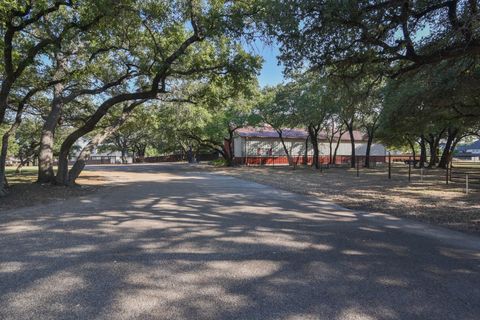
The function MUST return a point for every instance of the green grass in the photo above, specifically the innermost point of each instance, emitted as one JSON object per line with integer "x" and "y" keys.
{"x": 26, "y": 175}
{"x": 472, "y": 165}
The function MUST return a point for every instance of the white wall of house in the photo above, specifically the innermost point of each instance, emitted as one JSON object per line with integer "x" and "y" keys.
{"x": 474, "y": 151}
{"x": 262, "y": 147}
{"x": 238, "y": 144}
{"x": 375, "y": 149}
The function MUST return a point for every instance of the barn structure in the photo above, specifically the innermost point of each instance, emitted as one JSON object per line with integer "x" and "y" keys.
{"x": 263, "y": 146}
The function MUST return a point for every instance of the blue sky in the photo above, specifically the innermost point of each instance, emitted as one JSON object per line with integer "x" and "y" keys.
{"x": 271, "y": 73}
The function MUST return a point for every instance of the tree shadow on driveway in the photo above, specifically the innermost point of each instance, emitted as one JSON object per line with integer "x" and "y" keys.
{"x": 201, "y": 246}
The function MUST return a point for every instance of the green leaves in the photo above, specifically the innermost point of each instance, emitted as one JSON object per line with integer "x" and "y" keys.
{"x": 398, "y": 35}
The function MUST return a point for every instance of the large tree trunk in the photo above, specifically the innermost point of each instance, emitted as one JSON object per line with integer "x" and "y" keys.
{"x": 3, "y": 162}
{"x": 285, "y": 149}
{"x": 412, "y": 146}
{"x": 367, "y": 152}
{"x": 124, "y": 156}
{"x": 433, "y": 143}
{"x": 371, "y": 128}
{"x": 72, "y": 175}
{"x": 45, "y": 156}
{"x": 334, "y": 161}
{"x": 62, "y": 171}
{"x": 313, "y": 133}
{"x": 7, "y": 84}
{"x": 432, "y": 151}
{"x": 227, "y": 156}
{"x": 305, "y": 153}
{"x": 141, "y": 149}
{"x": 452, "y": 133}
{"x": 423, "y": 151}
{"x": 79, "y": 164}
{"x": 62, "y": 177}
{"x": 330, "y": 151}
{"x": 228, "y": 147}
{"x": 5, "y": 140}
{"x": 352, "y": 143}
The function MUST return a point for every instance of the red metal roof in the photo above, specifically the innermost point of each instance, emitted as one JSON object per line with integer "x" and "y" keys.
{"x": 294, "y": 133}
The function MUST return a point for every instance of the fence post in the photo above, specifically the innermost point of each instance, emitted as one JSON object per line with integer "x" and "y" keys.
{"x": 446, "y": 174}
{"x": 451, "y": 167}
{"x": 389, "y": 165}
{"x": 246, "y": 152}
{"x": 410, "y": 169}
{"x": 466, "y": 183}
{"x": 358, "y": 168}
{"x": 421, "y": 174}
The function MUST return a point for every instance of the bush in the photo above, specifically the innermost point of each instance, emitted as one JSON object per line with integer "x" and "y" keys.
{"x": 220, "y": 162}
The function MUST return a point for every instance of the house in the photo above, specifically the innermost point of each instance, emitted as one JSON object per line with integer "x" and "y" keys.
{"x": 468, "y": 152}
{"x": 97, "y": 156}
{"x": 262, "y": 145}
{"x": 472, "y": 148}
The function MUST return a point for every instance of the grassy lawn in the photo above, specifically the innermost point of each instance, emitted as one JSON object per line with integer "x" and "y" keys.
{"x": 24, "y": 192}
{"x": 26, "y": 175}
{"x": 426, "y": 198}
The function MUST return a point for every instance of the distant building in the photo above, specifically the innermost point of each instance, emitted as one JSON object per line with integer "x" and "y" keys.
{"x": 468, "y": 152}
{"x": 97, "y": 157}
{"x": 470, "y": 149}
{"x": 263, "y": 146}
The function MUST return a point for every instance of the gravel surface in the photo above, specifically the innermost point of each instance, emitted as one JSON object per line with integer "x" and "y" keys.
{"x": 430, "y": 200}
{"x": 168, "y": 242}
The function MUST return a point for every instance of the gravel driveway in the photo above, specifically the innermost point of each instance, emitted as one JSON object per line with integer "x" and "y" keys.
{"x": 167, "y": 242}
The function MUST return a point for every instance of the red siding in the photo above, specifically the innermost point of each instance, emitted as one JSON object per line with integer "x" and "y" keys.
{"x": 283, "y": 160}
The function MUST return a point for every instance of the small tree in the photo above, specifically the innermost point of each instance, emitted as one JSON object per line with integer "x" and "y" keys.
{"x": 313, "y": 105}
{"x": 276, "y": 108}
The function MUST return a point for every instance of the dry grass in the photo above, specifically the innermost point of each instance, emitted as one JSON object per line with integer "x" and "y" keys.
{"x": 430, "y": 200}
{"x": 24, "y": 192}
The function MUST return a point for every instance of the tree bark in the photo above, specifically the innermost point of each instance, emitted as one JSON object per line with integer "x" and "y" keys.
{"x": 124, "y": 156}
{"x": 230, "y": 151}
{"x": 89, "y": 126}
{"x": 412, "y": 146}
{"x": 305, "y": 154}
{"x": 141, "y": 149}
{"x": 367, "y": 152}
{"x": 452, "y": 133}
{"x": 330, "y": 152}
{"x": 423, "y": 151}
{"x": 313, "y": 133}
{"x": 71, "y": 176}
{"x": 3, "y": 161}
{"x": 4, "y": 93}
{"x": 47, "y": 137}
{"x": 349, "y": 126}
{"x": 5, "y": 140}
{"x": 334, "y": 161}
{"x": 433, "y": 143}
{"x": 285, "y": 149}
{"x": 62, "y": 177}
{"x": 432, "y": 151}
{"x": 370, "y": 128}
{"x": 227, "y": 155}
